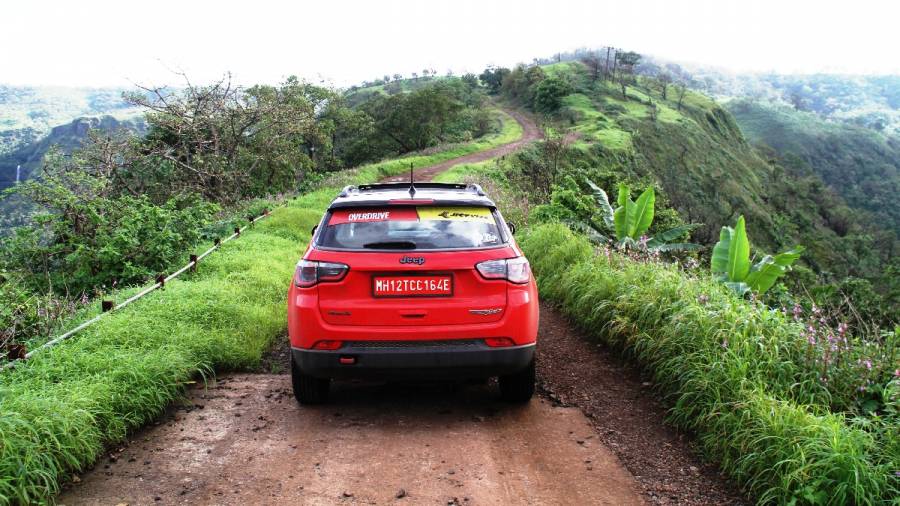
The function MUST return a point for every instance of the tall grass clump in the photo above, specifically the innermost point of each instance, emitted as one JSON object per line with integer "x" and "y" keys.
{"x": 735, "y": 372}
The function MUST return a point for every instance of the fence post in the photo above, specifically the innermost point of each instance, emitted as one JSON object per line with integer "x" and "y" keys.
{"x": 161, "y": 279}
{"x": 193, "y": 262}
{"x": 107, "y": 306}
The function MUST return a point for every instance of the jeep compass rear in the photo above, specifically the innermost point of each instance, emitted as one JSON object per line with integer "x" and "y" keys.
{"x": 412, "y": 282}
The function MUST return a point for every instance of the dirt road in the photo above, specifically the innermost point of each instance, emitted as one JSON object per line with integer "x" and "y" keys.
{"x": 530, "y": 132}
{"x": 373, "y": 444}
{"x": 244, "y": 439}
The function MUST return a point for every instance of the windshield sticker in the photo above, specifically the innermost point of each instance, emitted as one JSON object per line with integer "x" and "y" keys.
{"x": 342, "y": 216}
{"x": 481, "y": 214}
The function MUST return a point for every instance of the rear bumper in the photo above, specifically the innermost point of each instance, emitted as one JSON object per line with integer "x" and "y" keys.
{"x": 395, "y": 361}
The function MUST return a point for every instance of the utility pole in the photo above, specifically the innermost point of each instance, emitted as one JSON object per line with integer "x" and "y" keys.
{"x": 607, "y": 62}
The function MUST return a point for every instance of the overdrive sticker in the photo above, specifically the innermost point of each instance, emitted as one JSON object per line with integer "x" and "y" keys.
{"x": 341, "y": 216}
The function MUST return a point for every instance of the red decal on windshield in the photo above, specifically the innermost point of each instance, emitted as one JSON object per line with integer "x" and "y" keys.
{"x": 341, "y": 216}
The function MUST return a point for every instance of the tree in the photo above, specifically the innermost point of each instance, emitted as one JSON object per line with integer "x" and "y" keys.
{"x": 625, "y": 63}
{"x": 731, "y": 262}
{"x": 386, "y": 78}
{"x": 493, "y": 77}
{"x": 470, "y": 79}
{"x": 415, "y": 76}
{"x": 226, "y": 142}
{"x": 398, "y": 77}
{"x": 549, "y": 93}
{"x": 419, "y": 119}
{"x": 682, "y": 90}
{"x": 652, "y": 111}
{"x": 664, "y": 79}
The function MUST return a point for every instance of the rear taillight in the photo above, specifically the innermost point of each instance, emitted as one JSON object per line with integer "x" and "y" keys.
{"x": 515, "y": 270}
{"x": 327, "y": 345}
{"x": 310, "y": 272}
{"x": 498, "y": 342}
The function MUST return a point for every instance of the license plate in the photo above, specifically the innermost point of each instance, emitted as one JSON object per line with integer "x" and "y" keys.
{"x": 412, "y": 286}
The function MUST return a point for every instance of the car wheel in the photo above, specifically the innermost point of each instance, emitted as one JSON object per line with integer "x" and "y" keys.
{"x": 308, "y": 389}
{"x": 518, "y": 387}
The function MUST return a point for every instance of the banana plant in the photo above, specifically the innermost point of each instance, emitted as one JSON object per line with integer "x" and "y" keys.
{"x": 731, "y": 262}
{"x": 631, "y": 220}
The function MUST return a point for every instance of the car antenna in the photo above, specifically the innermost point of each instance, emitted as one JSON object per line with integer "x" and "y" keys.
{"x": 412, "y": 184}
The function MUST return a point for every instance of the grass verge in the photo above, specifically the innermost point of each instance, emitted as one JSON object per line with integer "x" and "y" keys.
{"x": 731, "y": 370}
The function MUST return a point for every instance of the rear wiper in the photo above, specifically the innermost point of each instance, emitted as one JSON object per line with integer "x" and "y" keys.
{"x": 390, "y": 245}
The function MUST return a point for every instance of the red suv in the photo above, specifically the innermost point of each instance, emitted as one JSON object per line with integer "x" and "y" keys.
{"x": 403, "y": 281}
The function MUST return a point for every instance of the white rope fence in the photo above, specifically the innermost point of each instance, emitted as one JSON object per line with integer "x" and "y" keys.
{"x": 108, "y": 307}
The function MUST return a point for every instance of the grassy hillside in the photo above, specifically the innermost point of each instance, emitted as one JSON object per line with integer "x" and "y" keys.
{"x": 697, "y": 157}
{"x": 860, "y": 164}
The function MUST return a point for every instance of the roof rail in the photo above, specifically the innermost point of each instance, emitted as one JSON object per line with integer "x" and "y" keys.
{"x": 472, "y": 188}
{"x": 347, "y": 190}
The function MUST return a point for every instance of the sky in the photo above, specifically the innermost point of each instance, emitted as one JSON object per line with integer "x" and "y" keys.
{"x": 119, "y": 43}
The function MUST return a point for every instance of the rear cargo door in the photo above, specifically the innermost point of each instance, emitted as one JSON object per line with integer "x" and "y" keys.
{"x": 412, "y": 266}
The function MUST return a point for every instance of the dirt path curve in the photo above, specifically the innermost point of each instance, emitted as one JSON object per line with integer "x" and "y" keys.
{"x": 244, "y": 439}
{"x": 530, "y": 132}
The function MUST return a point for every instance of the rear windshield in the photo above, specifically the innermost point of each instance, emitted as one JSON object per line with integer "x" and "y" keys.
{"x": 406, "y": 228}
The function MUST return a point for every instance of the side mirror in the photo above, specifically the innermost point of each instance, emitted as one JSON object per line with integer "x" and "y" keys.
{"x": 512, "y": 227}
{"x": 312, "y": 231}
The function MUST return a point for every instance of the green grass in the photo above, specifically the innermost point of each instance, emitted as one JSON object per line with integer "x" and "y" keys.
{"x": 731, "y": 371}
{"x": 60, "y": 410}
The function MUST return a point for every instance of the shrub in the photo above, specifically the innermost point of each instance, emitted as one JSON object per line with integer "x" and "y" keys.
{"x": 83, "y": 243}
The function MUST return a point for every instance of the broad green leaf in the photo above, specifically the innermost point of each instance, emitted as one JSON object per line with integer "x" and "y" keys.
{"x": 640, "y": 216}
{"x": 619, "y": 222}
{"x": 767, "y": 271}
{"x": 624, "y": 194}
{"x": 719, "y": 264}
{"x": 602, "y": 200}
{"x": 620, "y": 216}
{"x": 739, "y": 253}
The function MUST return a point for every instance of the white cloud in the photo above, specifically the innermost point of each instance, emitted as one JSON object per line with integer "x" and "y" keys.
{"x": 94, "y": 42}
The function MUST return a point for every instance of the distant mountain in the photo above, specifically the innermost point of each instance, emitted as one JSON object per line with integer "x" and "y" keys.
{"x": 859, "y": 164}
{"x": 868, "y": 101}
{"x": 28, "y": 113}
{"x": 13, "y": 210}
{"x": 67, "y": 137}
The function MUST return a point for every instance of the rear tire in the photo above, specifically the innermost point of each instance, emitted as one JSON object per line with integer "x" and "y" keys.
{"x": 518, "y": 387}
{"x": 308, "y": 389}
